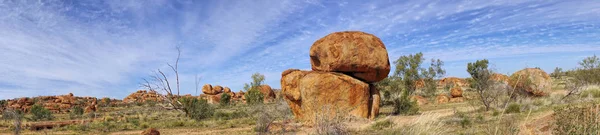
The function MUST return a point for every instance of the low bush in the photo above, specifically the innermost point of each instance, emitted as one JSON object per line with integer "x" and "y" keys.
{"x": 577, "y": 119}
{"x": 403, "y": 105}
{"x": 225, "y": 99}
{"x": 76, "y": 112}
{"x": 40, "y": 113}
{"x": 197, "y": 109}
{"x": 254, "y": 96}
{"x": 513, "y": 108}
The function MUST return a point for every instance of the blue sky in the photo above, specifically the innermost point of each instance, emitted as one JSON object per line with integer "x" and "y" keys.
{"x": 105, "y": 48}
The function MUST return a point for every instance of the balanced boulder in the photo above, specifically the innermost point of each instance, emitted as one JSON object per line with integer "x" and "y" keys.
{"x": 355, "y": 53}
{"x": 267, "y": 92}
{"x": 533, "y": 81}
{"x": 456, "y": 92}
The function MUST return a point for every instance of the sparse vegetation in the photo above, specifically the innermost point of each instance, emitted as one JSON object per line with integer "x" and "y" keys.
{"x": 513, "y": 108}
{"x": 76, "y": 112}
{"x": 253, "y": 95}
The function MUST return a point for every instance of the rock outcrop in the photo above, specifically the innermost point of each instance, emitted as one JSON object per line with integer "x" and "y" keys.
{"x": 355, "y": 53}
{"x": 456, "y": 92}
{"x": 453, "y": 81}
{"x": 142, "y": 96}
{"x": 56, "y": 104}
{"x": 343, "y": 64}
{"x": 267, "y": 92}
{"x": 442, "y": 99}
{"x": 532, "y": 81}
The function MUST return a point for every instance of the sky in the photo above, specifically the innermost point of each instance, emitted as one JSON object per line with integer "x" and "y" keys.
{"x": 105, "y": 48}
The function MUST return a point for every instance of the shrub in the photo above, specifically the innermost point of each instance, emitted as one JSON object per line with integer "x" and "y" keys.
{"x": 76, "y": 111}
{"x": 225, "y": 99}
{"x": 40, "y": 113}
{"x": 403, "y": 105}
{"x": 577, "y": 119}
{"x": 254, "y": 96}
{"x": 513, "y": 108}
{"x": 3, "y": 103}
{"x": 196, "y": 108}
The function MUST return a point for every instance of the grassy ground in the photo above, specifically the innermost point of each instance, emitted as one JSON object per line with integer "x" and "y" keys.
{"x": 526, "y": 116}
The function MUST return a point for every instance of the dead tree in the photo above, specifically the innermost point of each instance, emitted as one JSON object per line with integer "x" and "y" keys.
{"x": 160, "y": 82}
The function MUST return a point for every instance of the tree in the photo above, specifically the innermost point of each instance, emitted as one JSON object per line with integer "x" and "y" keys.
{"x": 590, "y": 62}
{"x": 253, "y": 95}
{"x": 557, "y": 72}
{"x": 481, "y": 82}
{"x": 408, "y": 72}
{"x": 159, "y": 81}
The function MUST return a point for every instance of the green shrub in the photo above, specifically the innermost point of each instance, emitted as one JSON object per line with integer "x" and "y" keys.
{"x": 196, "y": 108}
{"x": 225, "y": 99}
{"x": 3, "y": 103}
{"x": 513, "y": 108}
{"x": 254, "y": 96}
{"x": 76, "y": 112}
{"x": 382, "y": 124}
{"x": 577, "y": 119}
{"x": 403, "y": 105}
{"x": 465, "y": 122}
{"x": 40, "y": 113}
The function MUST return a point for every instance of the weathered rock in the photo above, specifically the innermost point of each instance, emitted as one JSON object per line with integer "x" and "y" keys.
{"x": 214, "y": 99}
{"x": 90, "y": 108}
{"x": 218, "y": 89}
{"x": 442, "y": 99}
{"x": 532, "y": 81}
{"x": 499, "y": 78}
{"x": 142, "y": 96}
{"x": 456, "y": 91}
{"x": 267, "y": 92}
{"x": 457, "y": 99}
{"x": 208, "y": 89}
{"x": 419, "y": 99}
{"x": 453, "y": 81}
{"x": 314, "y": 92}
{"x": 374, "y": 101}
{"x": 355, "y": 53}
{"x": 150, "y": 131}
{"x": 226, "y": 90}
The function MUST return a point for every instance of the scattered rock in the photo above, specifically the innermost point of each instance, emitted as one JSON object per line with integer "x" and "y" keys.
{"x": 442, "y": 99}
{"x": 355, "y": 53}
{"x": 150, "y": 131}
{"x": 208, "y": 89}
{"x": 456, "y": 92}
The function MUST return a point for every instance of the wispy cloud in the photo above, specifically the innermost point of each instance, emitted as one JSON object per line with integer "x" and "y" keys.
{"x": 103, "y": 48}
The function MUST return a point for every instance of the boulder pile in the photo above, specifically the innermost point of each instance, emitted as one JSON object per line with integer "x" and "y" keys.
{"x": 531, "y": 81}
{"x": 56, "y": 104}
{"x": 142, "y": 96}
{"x": 344, "y": 66}
{"x": 212, "y": 94}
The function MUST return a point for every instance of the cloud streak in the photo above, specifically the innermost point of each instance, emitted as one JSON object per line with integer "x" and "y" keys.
{"x": 104, "y": 48}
